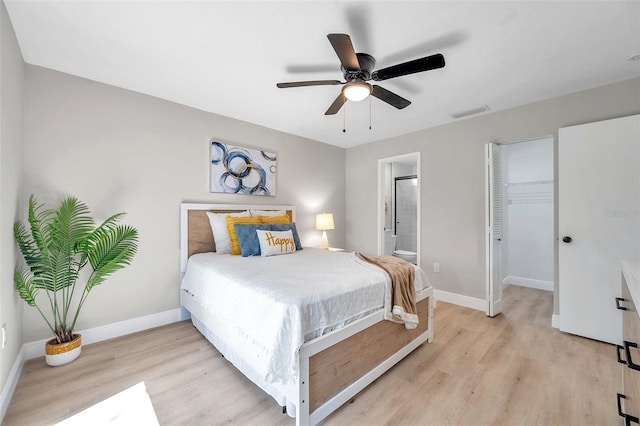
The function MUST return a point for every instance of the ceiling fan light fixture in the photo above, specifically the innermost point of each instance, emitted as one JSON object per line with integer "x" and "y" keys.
{"x": 356, "y": 90}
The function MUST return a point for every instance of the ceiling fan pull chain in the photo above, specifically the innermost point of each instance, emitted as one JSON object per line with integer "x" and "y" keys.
{"x": 369, "y": 112}
{"x": 344, "y": 119}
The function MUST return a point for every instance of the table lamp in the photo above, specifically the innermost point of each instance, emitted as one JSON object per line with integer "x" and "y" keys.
{"x": 324, "y": 223}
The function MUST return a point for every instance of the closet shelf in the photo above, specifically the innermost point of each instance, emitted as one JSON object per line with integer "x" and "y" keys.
{"x": 530, "y": 192}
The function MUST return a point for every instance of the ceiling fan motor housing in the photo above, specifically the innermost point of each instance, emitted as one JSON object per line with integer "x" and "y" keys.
{"x": 367, "y": 64}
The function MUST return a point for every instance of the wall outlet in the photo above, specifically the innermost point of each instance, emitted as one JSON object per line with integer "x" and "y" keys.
{"x": 436, "y": 267}
{"x": 4, "y": 335}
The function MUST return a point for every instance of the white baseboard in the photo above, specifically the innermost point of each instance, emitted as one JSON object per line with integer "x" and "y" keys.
{"x": 555, "y": 321}
{"x": 32, "y": 350}
{"x": 459, "y": 299}
{"x": 109, "y": 331}
{"x": 527, "y": 282}
{"x": 11, "y": 383}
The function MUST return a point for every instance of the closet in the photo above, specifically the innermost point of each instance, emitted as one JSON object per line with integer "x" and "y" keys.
{"x": 519, "y": 203}
{"x": 527, "y": 214}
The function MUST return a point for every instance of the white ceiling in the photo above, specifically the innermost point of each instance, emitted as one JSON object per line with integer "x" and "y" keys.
{"x": 226, "y": 57}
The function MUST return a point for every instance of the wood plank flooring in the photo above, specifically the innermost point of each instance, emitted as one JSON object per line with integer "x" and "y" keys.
{"x": 514, "y": 369}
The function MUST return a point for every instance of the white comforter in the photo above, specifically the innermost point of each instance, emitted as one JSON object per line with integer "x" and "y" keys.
{"x": 272, "y": 305}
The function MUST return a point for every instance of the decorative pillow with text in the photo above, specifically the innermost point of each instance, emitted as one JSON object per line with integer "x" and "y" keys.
{"x": 273, "y": 243}
{"x": 286, "y": 227}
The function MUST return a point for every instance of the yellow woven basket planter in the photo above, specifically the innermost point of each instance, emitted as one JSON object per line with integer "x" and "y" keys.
{"x": 57, "y": 354}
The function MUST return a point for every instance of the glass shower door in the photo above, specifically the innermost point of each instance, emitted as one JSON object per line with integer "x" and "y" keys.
{"x": 406, "y": 200}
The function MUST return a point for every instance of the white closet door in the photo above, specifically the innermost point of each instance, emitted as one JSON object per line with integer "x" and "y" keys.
{"x": 598, "y": 223}
{"x": 493, "y": 214}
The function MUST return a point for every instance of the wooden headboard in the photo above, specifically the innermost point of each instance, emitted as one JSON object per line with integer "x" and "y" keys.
{"x": 195, "y": 230}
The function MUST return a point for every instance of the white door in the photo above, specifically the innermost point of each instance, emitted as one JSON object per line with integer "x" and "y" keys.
{"x": 493, "y": 215}
{"x": 598, "y": 222}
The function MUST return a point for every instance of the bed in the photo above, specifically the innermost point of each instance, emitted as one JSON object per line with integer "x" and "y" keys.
{"x": 319, "y": 365}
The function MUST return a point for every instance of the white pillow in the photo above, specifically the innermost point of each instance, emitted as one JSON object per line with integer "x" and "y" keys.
{"x": 273, "y": 243}
{"x": 267, "y": 212}
{"x": 218, "y": 222}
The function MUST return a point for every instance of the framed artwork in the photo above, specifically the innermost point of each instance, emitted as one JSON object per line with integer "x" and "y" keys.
{"x": 239, "y": 170}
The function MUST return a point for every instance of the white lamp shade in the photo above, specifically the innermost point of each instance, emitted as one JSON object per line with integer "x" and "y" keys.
{"x": 324, "y": 222}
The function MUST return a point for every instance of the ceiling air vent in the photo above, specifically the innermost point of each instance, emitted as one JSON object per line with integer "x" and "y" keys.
{"x": 469, "y": 112}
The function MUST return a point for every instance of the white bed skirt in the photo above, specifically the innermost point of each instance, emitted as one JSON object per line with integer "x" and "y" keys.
{"x": 277, "y": 391}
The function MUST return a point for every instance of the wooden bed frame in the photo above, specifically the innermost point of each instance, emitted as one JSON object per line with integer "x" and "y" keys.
{"x": 332, "y": 368}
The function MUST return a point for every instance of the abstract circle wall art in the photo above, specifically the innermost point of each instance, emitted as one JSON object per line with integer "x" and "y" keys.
{"x": 240, "y": 170}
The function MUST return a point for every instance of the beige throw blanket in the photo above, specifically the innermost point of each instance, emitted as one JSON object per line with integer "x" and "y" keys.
{"x": 403, "y": 292}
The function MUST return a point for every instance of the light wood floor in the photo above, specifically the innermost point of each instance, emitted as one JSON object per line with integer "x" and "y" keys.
{"x": 510, "y": 370}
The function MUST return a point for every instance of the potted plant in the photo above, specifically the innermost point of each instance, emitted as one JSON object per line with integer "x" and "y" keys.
{"x": 56, "y": 246}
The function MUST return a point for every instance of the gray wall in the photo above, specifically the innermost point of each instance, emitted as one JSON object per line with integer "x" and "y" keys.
{"x": 11, "y": 77}
{"x": 452, "y": 173}
{"x": 118, "y": 150}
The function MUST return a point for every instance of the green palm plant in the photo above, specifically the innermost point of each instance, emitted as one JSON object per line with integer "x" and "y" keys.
{"x": 57, "y": 245}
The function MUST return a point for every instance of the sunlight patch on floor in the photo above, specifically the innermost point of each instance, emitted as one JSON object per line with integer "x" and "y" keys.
{"x": 130, "y": 407}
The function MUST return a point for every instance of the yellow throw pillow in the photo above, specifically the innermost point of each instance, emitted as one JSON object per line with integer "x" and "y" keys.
{"x": 233, "y": 237}
{"x": 275, "y": 219}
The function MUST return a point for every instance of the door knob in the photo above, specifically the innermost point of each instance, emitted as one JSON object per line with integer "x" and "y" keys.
{"x": 566, "y": 239}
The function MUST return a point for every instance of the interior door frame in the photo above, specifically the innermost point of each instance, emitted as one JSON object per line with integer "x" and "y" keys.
{"x": 381, "y": 183}
{"x": 554, "y": 140}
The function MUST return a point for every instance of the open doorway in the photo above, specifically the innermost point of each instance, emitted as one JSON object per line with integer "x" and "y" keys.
{"x": 399, "y": 207}
{"x": 521, "y": 244}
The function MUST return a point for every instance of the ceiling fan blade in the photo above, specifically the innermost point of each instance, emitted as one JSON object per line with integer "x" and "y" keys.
{"x": 309, "y": 83}
{"x": 417, "y": 65}
{"x": 390, "y": 97}
{"x": 344, "y": 49}
{"x": 336, "y": 105}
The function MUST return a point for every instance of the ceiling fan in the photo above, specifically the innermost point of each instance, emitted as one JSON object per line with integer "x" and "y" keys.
{"x": 357, "y": 69}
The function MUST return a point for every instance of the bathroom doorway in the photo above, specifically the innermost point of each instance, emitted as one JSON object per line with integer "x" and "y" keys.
{"x": 399, "y": 207}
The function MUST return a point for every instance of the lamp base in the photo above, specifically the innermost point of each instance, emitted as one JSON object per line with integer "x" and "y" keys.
{"x": 324, "y": 243}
